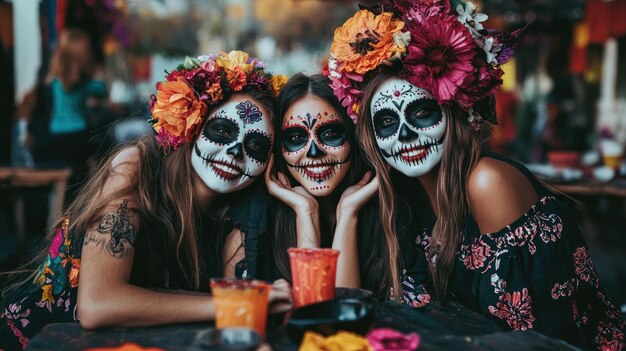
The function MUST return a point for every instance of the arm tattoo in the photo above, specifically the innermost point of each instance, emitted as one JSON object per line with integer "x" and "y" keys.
{"x": 121, "y": 229}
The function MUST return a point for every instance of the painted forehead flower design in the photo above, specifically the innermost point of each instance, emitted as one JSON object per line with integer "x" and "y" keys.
{"x": 180, "y": 105}
{"x": 441, "y": 44}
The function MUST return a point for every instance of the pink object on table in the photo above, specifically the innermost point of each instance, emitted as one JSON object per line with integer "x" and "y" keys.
{"x": 387, "y": 339}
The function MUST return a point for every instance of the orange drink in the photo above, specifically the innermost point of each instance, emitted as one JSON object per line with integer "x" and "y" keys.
{"x": 240, "y": 303}
{"x": 313, "y": 273}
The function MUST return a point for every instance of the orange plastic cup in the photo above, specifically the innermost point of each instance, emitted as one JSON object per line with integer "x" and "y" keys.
{"x": 313, "y": 273}
{"x": 240, "y": 303}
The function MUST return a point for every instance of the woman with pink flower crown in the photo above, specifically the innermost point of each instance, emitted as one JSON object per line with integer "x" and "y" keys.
{"x": 163, "y": 214}
{"x": 420, "y": 76}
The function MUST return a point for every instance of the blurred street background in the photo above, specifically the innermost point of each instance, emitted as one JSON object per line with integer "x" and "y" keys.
{"x": 76, "y": 76}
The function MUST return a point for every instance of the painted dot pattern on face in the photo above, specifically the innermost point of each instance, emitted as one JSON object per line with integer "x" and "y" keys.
{"x": 321, "y": 187}
{"x": 320, "y": 170}
{"x": 398, "y": 93}
{"x": 295, "y": 127}
{"x": 331, "y": 134}
{"x": 221, "y": 130}
{"x": 257, "y": 145}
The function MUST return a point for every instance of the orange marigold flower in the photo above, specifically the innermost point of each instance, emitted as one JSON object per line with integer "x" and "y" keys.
{"x": 236, "y": 78}
{"x": 365, "y": 40}
{"x": 73, "y": 274}
{"x": 215, "y": 92}
{"x": 277, "y": 82}
{"x": 177, "y": 109}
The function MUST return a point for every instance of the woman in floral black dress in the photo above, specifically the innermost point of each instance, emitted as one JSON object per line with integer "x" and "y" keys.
{"x": 495, "y": 238}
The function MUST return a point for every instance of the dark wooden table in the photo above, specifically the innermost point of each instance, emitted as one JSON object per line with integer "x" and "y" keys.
{"x": 450, "y": 327}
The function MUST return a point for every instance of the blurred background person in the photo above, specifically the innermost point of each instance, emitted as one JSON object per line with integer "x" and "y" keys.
{"x": 59, "y": 115}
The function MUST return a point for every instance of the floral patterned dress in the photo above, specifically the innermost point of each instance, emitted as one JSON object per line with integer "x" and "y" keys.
{"x": 535, "y": 273}
{"x": 51, "y": 296}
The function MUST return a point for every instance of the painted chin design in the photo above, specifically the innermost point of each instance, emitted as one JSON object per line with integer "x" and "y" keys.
{"x": 415, "y": 153}
{"x": 225, "y": 170}
{"x": 318, "y": 171}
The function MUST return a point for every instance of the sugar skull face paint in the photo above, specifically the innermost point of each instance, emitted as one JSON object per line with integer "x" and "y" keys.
{"x": 315, "y": 145}
{"x": 409, "y": 127}
{"x": 234, "y": 146}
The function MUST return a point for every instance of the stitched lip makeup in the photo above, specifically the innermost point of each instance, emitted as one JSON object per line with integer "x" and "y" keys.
{"x": 415, "y": 153}
{"x": 225, "y": 170}
{"x": 318, "y": 170}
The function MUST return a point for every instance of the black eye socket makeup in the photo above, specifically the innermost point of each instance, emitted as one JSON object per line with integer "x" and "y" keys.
{"x": 257, "y": 145}
{"x": 332, "y": 134}
{"x": 221, "y": 131}
{"x": 423, "y": 113}
{"x": 386, "y": 122}
{"x": 294, "y": 138}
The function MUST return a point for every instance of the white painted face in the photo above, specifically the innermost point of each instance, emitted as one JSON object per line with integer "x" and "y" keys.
{"x": 234, "y": 146}
{"x": 315, "y": 145}
{"x": 409, "y": 127}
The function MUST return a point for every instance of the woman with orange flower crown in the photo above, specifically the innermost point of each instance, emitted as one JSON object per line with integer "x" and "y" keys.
{"x": 165, "y": 213}
{"x": 421, "y": 76}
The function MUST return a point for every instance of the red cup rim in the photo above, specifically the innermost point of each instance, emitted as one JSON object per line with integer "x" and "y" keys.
{"x": 298, "y": 251}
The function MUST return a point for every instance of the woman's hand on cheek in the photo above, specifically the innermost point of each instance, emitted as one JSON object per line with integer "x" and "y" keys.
{"x": 357, "y": 195}
{"x": 297, "y": 198}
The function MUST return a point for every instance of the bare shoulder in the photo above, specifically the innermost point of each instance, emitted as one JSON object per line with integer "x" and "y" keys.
{"x": 498, "y": 194}
{"x": 124, "y": 167}
{"x": 126, "y": 160}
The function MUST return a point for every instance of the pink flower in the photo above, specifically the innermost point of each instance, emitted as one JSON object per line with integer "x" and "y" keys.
{"x": 418, "y": 10}
{"x": 387, "y": 339}
{"x": 483, "y": 82}
{"x": 56, "y": 244}
{"x": 346, "y": 93}
{"x": 477, "y": 255}
{"x": 208, "y": 66}
{"x": 584, "y": 266}
{"x": 516, "y": 309}
{"x": 167, "y": 140}
{"x": 440, "y": 55}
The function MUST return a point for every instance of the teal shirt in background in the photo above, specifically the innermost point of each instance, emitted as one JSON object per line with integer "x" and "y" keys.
{"x": 68, "y": 107}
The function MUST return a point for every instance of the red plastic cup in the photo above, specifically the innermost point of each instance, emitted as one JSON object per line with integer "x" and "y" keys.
{"x": 313, "y": 273}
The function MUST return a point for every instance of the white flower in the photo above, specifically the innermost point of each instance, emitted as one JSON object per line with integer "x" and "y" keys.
{"x": 332, "y": 68}
{"x": 332, "y": 64}
{"x": 474, "y": 116}
{"x": 471, "y": 18}
{"x": 401, "y": 39}
{"x": 491, "y": 49}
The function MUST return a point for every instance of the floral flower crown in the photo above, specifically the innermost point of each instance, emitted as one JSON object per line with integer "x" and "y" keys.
{"x": 182, "y": 101}
{"x": 443, "y": 49}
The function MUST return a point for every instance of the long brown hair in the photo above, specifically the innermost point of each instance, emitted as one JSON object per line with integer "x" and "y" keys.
{"x": 462, "y": 146}
{"x": 171, "y": 217}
